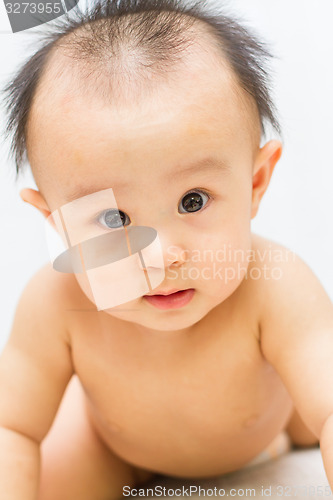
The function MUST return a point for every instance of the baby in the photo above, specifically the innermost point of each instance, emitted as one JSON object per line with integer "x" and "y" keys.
{"x": 143, "y": 122}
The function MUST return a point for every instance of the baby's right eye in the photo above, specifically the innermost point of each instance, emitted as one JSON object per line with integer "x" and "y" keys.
{"x": 113, "y": 219}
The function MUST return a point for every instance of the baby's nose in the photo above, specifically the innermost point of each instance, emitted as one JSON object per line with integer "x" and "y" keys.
{"x": 160, "y": 256}
{"x": 157, "y": 249}
{"x": 174, "y": 255}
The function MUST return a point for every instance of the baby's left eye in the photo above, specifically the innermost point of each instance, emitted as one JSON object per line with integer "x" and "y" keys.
{"x": 193, "y": 201}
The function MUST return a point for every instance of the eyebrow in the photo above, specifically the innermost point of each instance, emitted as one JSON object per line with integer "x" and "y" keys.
{"x": 205, "y": 166}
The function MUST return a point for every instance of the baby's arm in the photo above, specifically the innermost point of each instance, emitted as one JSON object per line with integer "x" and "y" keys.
{"x": 297, "y": 339}
{"x": 35, "y": 368}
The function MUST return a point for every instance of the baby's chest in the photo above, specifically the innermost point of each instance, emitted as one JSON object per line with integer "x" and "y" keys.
{"x": 224, "y": 384}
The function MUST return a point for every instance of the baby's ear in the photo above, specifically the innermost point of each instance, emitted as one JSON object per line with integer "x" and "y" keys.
{"x": 266, "y": 159}
{"x": 35, "y": 199}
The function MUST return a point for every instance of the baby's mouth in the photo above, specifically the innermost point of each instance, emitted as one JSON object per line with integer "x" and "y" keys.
{"x": 173, "y": 299}
{"x": 164, "y": 292}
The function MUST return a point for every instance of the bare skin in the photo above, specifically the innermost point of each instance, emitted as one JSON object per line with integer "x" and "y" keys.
{"x": 193, "y": 392}
{"x": 213, "y": 403}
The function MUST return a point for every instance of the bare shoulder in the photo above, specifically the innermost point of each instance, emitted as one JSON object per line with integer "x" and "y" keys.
{"x": 291, "y": 299}
{"x": 267, "y": 262}
{"x": 51, "y": 295}
{"x": 281, "y": 271}
{"x": 60, "y": 286}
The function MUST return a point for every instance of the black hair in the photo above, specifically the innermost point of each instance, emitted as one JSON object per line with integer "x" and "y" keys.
{"x": 156, "y": 27}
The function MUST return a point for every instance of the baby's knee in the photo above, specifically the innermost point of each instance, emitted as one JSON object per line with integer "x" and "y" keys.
{"x": 84, "y": 477}
{"x": 75, "y": 462}
{"x": 299, "y": 433}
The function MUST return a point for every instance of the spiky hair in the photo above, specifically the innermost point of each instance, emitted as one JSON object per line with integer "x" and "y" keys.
{"x": 154, "y": 29}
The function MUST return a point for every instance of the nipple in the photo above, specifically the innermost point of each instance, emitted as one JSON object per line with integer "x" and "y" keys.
{"x": 251, "y": 421}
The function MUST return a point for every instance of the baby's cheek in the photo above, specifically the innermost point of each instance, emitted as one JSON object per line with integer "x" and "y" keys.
{"x": 224, "y": 265}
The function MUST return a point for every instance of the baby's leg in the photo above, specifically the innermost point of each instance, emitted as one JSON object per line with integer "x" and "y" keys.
{"x": 299, "y": 433}
{"x": 76, "y": 464}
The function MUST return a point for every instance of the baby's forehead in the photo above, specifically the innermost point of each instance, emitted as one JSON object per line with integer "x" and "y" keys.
{"x": 171, "y": 129}
{"x": 83, "y": 111}
{"x": 202, "y": 73}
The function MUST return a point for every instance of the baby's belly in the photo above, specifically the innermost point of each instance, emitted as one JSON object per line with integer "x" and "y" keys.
{"x": 201, "y": 436}
{"x": 193, "y": 406}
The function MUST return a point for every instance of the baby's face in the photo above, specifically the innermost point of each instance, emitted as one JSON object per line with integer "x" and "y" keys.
{"x": 183, "y": 166}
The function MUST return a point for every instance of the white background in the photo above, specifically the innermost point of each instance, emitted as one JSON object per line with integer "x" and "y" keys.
{"x": 297, "y": 208}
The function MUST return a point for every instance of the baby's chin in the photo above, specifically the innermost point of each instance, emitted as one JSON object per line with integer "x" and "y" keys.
{"x": 155, "y": 325}
{"x": 145, "y": 315}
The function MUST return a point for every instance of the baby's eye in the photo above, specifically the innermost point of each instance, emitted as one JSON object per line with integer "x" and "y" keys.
{"x": 193, "y": 201}
{"x": 113, "y": 219}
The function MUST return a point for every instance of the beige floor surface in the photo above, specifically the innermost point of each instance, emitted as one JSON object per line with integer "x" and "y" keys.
{"x": 298, "y": 474}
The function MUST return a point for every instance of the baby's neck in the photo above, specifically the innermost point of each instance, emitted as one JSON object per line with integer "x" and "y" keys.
{"x": 164, "y": 334}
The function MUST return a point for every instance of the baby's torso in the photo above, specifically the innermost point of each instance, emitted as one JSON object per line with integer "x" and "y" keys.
{"x": 195, "y": 406}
